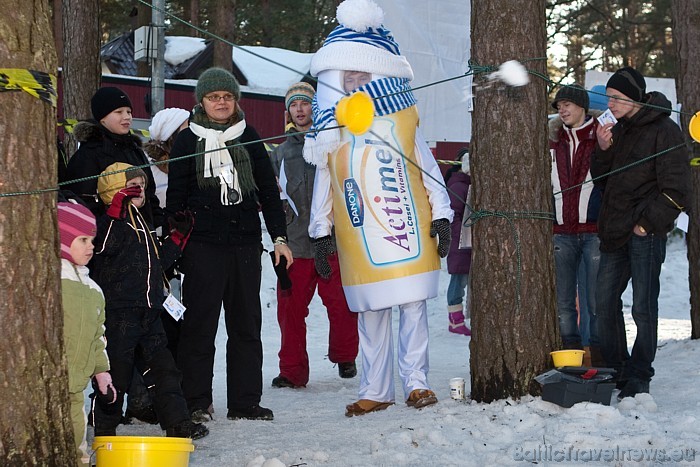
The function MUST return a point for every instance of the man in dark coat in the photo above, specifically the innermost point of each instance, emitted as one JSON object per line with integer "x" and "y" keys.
{"x": 640, "y": 204}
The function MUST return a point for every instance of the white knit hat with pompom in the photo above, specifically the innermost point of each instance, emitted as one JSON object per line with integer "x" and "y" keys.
{"x": 361, "y": 43}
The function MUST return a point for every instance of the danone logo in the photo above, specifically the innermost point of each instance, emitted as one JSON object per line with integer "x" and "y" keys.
{"x": 353, "y": 202}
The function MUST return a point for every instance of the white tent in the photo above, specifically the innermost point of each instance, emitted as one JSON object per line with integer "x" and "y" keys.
{"x": 434, "y": 37}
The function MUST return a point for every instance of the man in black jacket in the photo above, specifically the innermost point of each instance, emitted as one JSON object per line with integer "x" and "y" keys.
{"x": 646, "y": 188}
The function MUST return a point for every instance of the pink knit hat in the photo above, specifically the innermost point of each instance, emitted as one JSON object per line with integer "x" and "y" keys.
{"x": 74, "y": 220}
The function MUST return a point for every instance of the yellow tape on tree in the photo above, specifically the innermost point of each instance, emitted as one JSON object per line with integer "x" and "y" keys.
{"x": 36, "y": 83}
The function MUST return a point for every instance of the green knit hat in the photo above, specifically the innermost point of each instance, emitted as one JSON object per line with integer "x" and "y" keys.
{"x": 217, "y": 79}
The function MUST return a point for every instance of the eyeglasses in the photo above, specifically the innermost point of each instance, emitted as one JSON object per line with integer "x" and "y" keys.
{"x": 217, "y": 98}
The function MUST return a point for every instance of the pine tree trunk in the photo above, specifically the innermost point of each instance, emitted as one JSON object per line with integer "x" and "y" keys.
{"x": 35, "y": 419}
{"x": 686, "y": 35}
{"x": 81, "y": 61}
{"x": 225, "y": 26}
{"x": 512, "y": 296}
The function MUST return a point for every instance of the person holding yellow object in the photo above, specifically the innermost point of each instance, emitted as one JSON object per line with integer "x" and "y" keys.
{"x": 380, "y": 191}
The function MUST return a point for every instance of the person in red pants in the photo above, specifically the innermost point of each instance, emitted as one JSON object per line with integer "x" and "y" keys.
{"x": 296, "y": 179}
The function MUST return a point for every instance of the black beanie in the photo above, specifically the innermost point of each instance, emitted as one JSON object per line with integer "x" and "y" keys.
{"x": 629, "y": 82}
{"x": 106, "y": 100}
{"x": 572, "y": 93}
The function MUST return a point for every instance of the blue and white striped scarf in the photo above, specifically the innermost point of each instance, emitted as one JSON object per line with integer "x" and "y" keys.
{"x": 389, "y": 95}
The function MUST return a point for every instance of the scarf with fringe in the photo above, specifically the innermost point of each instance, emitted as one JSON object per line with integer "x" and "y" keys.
{"x": 228, "y": 168}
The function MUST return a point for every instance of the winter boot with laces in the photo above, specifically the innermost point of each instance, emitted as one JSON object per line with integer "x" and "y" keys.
{"x": 187, "y": 429}
{"x": 457, "y": 324}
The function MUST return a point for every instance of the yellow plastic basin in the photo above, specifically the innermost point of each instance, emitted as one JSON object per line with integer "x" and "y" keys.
{"x": 137, "y": 451}
{"x": 567, "y": 358}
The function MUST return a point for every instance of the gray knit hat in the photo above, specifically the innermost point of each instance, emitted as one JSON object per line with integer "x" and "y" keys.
{"x": 217, "y": 79}
{"x": 572, "y": 93}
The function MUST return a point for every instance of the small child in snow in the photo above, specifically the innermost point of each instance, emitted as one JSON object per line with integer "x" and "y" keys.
{"x": 129, "y": 264}
{"x": 83, "y": 318}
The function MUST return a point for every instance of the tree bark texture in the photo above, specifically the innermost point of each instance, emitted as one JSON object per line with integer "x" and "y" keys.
{"x": 512, "y": 297}
{"x": 35, "y": 419}
{"x": 81, "y": 61}
{"x": 225, "y": 27}
{"x": 686, "y": 36}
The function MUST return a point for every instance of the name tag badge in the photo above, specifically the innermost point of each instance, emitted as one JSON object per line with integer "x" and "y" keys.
{"x": 173, "y": 306}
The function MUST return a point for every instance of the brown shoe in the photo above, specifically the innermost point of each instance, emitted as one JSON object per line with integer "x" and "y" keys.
{"x": 364, "y": 406}
{"x": 421, "y": 398}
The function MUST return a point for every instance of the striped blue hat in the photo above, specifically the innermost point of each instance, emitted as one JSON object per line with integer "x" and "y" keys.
{"x": 361, "y": 43}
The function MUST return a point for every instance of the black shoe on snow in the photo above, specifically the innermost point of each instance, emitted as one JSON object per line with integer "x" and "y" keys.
{"x": 201, "y": 416}
{"x": 282, "y": 382}
{"x": 347, "y": 369}
{"x": 633, "y": 387}
{"x": 254, "y": 412}
{"x": 187, "y": 429}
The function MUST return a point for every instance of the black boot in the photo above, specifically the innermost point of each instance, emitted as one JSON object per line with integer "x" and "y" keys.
{"x": 347, "y": 369}
{"x": 187, "y": 429}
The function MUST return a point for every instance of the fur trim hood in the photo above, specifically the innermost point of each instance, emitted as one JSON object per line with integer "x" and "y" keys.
{"x": 88, "y": 131}
{"x": 555, "y": 124}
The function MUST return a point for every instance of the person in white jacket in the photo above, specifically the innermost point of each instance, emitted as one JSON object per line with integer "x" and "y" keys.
{"x": 382, "y": 193}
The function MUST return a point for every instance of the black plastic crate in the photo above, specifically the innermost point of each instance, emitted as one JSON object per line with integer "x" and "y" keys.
{"x": 569, "y": 385}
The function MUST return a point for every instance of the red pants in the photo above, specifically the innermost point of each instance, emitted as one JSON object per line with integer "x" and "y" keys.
{"x": 293, "y": 308}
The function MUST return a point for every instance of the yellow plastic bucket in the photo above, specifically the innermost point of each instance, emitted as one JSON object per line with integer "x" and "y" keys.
{"x": 139, "y": 451}
{"x": 694, "y": 127}
{"x": 567, "y": 358}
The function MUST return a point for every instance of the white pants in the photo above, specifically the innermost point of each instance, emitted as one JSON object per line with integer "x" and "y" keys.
{"x": 377, "y": 346}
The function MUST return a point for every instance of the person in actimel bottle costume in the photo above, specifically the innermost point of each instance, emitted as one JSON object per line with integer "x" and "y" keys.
{"x": 371, "y": 188}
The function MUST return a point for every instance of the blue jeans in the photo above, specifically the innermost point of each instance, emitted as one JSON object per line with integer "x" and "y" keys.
{"x": 640, "y": 259}
{"x": 456, "y": 290}
{"x": 570, "y": 251}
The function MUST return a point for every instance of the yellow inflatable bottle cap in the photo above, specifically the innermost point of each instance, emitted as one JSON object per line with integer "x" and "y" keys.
{"x": 355, "y": 112}
{"x": 694, "y": 127}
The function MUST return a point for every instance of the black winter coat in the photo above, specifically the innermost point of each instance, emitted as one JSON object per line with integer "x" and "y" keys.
{"x": 639, "y": 195}
{"x": 213, "y": 222}
{"x": 129, "y": 262}
{"x": 99, "y": 148}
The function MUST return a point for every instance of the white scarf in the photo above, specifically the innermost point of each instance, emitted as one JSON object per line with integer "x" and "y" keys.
{"x": 217, "y": 159}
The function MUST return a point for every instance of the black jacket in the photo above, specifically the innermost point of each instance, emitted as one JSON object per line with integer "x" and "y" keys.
{"x": 129, "y": 263}
{"x": 98, "y": 150}
{"x": 640, "y": 194}
{"x": 213, "y": 222}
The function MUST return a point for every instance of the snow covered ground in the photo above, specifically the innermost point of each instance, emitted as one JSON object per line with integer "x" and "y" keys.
{"x": 310, "y": 428}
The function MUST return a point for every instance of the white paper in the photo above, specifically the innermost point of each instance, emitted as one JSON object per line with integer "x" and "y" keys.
{"x": 682, "y": 222}
{"x": 173, "y": 306}
{"x": 607, "y": 117}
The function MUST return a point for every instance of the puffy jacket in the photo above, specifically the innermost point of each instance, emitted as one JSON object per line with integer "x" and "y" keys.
{"x": 576, "y": 209}
{"x": 459, "y": 261}
{"x": 129, "y": 263}
{"x": 647, "y": 193}
{"x": 83, "y": 325}
{"x": 214, "y": 222}
{"x": 98, "y": 150}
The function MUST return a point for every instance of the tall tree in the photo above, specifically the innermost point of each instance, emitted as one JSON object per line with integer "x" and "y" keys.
{"x": 686, "y": 36}
{"x": 609, "y": 34}
{"x": 225, "y": 27}
{"x": 81, "y": 60}
{"x": 35, "y": 419}
{"x": 514, "y": 322}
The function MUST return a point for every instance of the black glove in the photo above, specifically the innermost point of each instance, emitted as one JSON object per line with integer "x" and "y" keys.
{"x": 323, "y": 248}
{"x": 104, "y": 398}
{"x": 441, "y": 228}
{"x": 181, "y": 227}
{"x": 281, "y": 271}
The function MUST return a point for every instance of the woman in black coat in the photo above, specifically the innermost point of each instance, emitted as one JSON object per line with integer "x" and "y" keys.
{"x": 225, "y": 184}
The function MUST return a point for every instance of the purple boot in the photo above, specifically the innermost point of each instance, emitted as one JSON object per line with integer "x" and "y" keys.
{"x": 457, "y": 324}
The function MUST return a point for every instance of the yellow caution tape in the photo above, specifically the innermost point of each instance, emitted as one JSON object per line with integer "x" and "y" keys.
{"x": 37, "y": 83}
